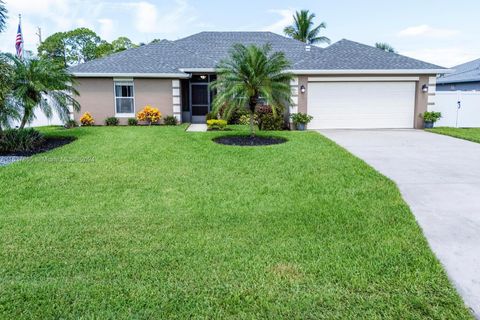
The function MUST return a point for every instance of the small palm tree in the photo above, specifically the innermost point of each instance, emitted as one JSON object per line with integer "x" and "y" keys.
{"x": 303, "y": 28}
{"x": 40, "y": 83}
{"x": 385, "y": 47}
{"x": 249, "y": 75}
{"x": 3, "y": 15}
{"x": 8, "y": 111}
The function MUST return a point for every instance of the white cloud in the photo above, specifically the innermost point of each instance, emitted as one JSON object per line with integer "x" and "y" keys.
{"x": 146, "y": 17}
{"x": 445, "y": 57}
{"x": 425, "y": 30}
{"x": 141, "y": 20}
{"x": 286, "y": 18}
{"x": 106, "y": 29}
{"x": 166, "y": 20}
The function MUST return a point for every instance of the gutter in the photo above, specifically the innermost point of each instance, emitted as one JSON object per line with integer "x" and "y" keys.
{"x": 130, "y": 75}
{"x": 372, "y": 71}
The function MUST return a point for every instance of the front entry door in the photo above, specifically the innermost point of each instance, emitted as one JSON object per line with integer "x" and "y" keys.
{"x": 200, "y": 101}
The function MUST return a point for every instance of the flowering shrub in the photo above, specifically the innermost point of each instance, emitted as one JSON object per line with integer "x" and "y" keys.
{"x": 216, "y": 124}
{"x": 87, "y": 119}
{"x": 149, "y": 114}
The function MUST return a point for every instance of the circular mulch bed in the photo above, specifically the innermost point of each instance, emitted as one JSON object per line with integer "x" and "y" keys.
{"x": 49, "y": 144}
{"x": 247, "y": 141}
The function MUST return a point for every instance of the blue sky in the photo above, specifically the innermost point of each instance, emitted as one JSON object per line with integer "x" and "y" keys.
{"x": 442, "y": 32}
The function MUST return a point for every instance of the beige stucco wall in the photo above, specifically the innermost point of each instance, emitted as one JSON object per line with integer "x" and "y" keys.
{"x": 156, "y": 93}
{"x": 421, "y": 98}
{"x": 421, "y": 102}
{"x": 97, "y": 97}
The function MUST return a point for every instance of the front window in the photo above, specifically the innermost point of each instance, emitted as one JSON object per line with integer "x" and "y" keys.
{"x": 124, "y": 99}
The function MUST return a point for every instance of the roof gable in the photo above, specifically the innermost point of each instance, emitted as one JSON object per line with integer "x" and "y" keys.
{"x": 350, "y": 55}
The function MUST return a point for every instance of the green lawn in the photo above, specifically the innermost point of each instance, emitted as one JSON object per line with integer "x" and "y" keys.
{"x": 472, "y": 134}
{"x": 154, "y": 222}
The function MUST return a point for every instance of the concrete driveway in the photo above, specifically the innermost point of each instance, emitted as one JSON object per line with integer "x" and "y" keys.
{"x": 439, "y": 177}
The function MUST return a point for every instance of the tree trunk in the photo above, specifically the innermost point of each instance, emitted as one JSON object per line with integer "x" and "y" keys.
{"x": 252, "y": 123}
{"x": 24, "y": 122}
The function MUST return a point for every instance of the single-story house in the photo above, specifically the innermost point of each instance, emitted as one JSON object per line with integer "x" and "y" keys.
{"x": 346, "y": 85}
{"x": 465, "y": 77}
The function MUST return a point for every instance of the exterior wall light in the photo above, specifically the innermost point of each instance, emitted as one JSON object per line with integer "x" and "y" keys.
{"x": 302, "y": 89}
{"x": 425, "y": 88}
{"x": 203, "y": 77}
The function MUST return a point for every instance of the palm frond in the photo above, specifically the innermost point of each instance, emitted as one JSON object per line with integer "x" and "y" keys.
{"x": 34, "y": 80}
{"x": 250, "y": 74}
{"x": 303, "y": 28}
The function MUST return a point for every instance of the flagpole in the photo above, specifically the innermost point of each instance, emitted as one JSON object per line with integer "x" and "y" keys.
{"x": 19, "y": 33}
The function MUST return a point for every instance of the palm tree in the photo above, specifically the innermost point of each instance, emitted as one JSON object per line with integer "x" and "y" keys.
{"x": 385, "y": 47}
{"x": 35, "y": 80}
{"x": 249, "y": 75}
{"x": 8, "y": 111}
{"x": 303, "y": 28}
{"x": 3, "y": 15}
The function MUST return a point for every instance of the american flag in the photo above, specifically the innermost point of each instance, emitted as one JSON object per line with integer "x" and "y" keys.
{"x": 19, "y": 42}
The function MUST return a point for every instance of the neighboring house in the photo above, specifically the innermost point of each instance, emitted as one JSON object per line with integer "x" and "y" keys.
{"x": 346, "y": 85}
{"x": 465, "y": 77}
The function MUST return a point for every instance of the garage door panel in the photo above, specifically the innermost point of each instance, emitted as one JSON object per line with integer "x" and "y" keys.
{"x": 359, "y": 105}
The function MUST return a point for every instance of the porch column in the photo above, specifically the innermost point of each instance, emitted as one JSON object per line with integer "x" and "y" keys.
{"x": 176, "y": 101}
{"x": 294, "y": 87}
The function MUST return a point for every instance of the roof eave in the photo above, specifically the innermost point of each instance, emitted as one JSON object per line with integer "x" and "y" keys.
{"x": 371, "y": 71}
{"x": 446, "y": 81}
{"x": 192, "y": 70}
{"x": 130, "y": 75}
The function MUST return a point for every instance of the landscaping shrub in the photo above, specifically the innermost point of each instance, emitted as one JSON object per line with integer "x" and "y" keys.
{"x": 211, "y": 116}
{"x": 149, "y": 114}
{"x": 132, "y": 121}
{"x": 17, "y": 140}
{"x": 111, "y": 121}
{"x": 71, "y": 124}
{"x": 216, "y": 124}
{"x": 245, "y": 119}
{"x": 267, "y": 121}
{"x": 87, "y": 120}
{"x": 236, "y": 115}
{"x": 170, "y": 121}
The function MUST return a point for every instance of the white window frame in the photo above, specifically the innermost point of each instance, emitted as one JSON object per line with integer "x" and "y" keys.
{"x": 126, "y": 82}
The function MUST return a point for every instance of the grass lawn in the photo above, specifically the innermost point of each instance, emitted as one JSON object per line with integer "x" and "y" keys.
{"x": 154, "y": 222}
{"x": 472, "y": 134}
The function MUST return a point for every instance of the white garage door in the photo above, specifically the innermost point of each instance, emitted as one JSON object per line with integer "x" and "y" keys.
{"x": 361, "y": 105}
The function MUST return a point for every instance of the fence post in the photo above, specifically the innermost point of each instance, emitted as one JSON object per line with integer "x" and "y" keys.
{"x": 459, "y": 105}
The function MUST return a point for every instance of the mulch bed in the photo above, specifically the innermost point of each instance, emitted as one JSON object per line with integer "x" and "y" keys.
{"x": 247, "y": 141}
{"x": 49, "y": 144}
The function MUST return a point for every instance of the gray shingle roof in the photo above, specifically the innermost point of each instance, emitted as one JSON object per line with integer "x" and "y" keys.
{"x": 467, "y": 72}
{"x": 350, "y": 55}
{"x": 217, "y": 45}
{"x": 205, "y": 49}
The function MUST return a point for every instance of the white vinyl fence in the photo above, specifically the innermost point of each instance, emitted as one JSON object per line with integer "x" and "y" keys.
{"x": 458, "y": 108}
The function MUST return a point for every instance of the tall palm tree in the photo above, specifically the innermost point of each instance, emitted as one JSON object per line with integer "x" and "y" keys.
{"x": 303, "y": 28}
{"x": 3, "y": 15}
{"x": 40, "y": 83}
{"x": 250, "y": 75}
{"x": 385, "y": 47}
